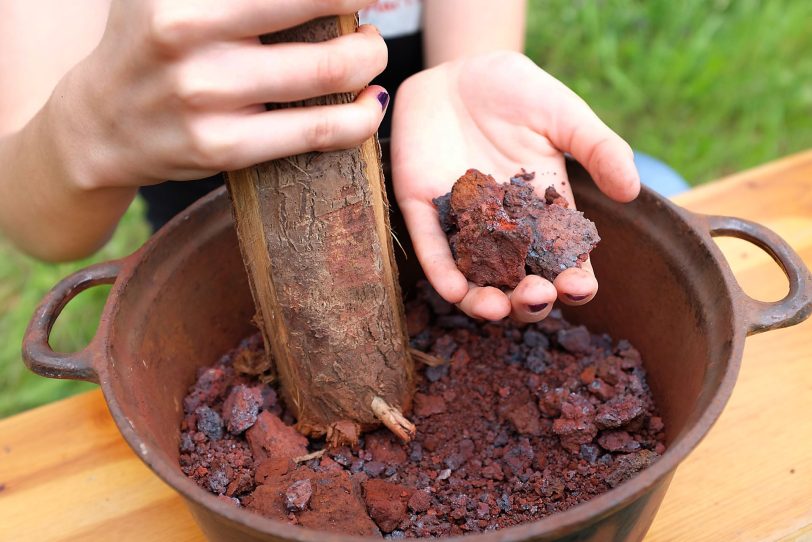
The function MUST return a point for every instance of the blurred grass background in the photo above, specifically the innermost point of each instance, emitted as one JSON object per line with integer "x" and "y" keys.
{"x": 708, "y": 86}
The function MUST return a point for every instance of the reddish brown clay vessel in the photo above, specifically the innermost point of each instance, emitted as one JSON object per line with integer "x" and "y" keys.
{"x": 182, "y": 300}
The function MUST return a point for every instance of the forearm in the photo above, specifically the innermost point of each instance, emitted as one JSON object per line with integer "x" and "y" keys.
{"x": 457, "y": 28}
{"x": 44, "y": 209}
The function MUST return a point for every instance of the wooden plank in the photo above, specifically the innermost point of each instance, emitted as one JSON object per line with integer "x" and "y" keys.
{"x": 69, "y": 476}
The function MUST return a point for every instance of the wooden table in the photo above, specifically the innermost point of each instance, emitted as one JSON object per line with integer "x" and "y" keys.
{"x": 66, "y": 474}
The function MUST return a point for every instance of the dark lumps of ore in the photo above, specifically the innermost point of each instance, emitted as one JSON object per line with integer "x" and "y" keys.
{"x": 500, "y": 232}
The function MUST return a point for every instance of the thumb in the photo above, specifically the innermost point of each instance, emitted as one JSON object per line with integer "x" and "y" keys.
{"x": 574, "y": 128}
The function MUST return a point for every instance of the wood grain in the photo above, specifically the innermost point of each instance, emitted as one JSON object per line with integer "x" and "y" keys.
{"x": 68, "y": 475}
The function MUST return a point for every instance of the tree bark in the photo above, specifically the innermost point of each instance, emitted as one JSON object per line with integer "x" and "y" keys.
{"x": 315, "y": 238}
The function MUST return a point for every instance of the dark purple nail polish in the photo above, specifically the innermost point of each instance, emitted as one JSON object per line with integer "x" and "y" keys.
{"x": 537, "y": 308}
{"x": 577, "y": 297}
{"x": 383, "y": 98}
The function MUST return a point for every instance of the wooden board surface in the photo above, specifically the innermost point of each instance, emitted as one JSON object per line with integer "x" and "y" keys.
{"x": 67, "y": 475}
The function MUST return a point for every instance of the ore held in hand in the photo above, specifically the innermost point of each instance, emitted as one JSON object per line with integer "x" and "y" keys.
{"x": 500, "y": 232}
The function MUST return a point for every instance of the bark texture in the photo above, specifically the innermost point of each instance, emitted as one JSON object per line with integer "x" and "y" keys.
{"x": 314, "y": 234}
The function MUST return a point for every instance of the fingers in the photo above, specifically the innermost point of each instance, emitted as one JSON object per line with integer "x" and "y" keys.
{"x": 249, "y": 73}
{"x": 173, "y": 24}
{"x": 485, "y": 302}
{"x": 532, "y": 299}
{"x": 432, "y": 250}
{"x": 227, "y": 143}
{"x": 576, "y": 286}
{"x": 606, "y": 156}
{"x": 247, "y": 18}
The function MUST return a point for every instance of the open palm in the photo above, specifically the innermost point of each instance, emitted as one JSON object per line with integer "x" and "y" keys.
{"x": 497, "y": 113}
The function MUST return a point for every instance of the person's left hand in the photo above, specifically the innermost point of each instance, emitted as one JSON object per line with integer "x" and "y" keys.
{"x": 497, "y": 113}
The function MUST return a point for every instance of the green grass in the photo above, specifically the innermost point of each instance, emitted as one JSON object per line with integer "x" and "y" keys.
{"x": 711, "y": 87}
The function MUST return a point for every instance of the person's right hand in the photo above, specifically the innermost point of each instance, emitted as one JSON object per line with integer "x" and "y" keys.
{"x": 175, "y": 90}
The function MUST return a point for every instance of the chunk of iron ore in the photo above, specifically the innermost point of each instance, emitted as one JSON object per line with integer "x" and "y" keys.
{"x": 496, "y": 231}
{"x": 574, "y": 432}
{"x": 210, "y": 385}
{"x": 438, "y": 372}
{"x": 533, "y": 338}
{"x": 590, "y": 453}
{"x": 619, "y": 411}
{"x": 298, "y": 494}
{"x": 537, "y": 360}
{"x": 628, "y": 465}
{"x": 576, "y": 340}
{"x": 241, "y": 408}
{"x": 444, "y": 347}
{"x": 562, "y": 238}
{"x": 218, "y": 478}
{"x": 209, "y": 423}
{"x": 270, "y": 437}
{"x": 335, "y": 505}
{"x": 420, "y": 501}
{"x": 417, "y": 317}
{"x": 443, "y": 205}
{"x": 490, "y": 248}
{"x": 374, "y": 468}
{"x": 526, "y": 419}
{"x": 618, "y": 441}
{"x": 426, "y": 405}
{"x": 387, "y": 503}
{"x": 383, "y": 447}
{"x": 493, "y": 253}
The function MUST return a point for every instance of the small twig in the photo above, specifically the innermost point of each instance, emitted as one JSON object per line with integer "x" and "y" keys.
{"x": 393, "y": 419}
{"x": 315, "y": 455}
{"x": 395, "y": 237}
{"x": 426, "y": 359}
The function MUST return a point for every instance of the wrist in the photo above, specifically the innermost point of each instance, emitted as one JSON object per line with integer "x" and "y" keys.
{"x": 69, "y": 126}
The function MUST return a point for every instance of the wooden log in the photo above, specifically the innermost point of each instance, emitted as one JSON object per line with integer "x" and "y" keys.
{"x": 315, "y": 239}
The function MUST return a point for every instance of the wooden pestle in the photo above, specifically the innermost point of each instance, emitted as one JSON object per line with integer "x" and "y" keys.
{"x": 315, "y": 240}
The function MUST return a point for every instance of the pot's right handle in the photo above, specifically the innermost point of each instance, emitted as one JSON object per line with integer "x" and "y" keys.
{"x": 797, "y": 304}
{"x": 37, "y": 352}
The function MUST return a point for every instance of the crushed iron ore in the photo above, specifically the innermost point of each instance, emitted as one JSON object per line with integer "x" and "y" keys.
{"x": 522, "y": 422}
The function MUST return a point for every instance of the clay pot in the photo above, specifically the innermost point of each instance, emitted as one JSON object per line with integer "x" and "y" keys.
{"x": 183, "y": 299}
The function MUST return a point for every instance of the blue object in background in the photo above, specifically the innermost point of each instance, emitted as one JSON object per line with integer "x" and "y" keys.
{"x": 658, "y": 175}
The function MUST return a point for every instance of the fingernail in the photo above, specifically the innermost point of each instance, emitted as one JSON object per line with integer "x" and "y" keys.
{"x": 383, "y": 98}
{"x": 537, "y": 308}
{"x": 577, "y": 297}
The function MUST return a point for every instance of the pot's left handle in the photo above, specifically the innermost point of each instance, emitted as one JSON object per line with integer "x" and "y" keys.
{"x": 37, "y": 352}
{"x": 762, "y": 315}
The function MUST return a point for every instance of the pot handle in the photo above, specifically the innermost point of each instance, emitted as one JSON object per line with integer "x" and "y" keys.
{"x": 37, "y": 352}
{"x": 797, "y": 304}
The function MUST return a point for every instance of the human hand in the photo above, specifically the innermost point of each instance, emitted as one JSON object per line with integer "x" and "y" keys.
{"x": 175, "y": 90}
{"x": 497, "y": 113}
